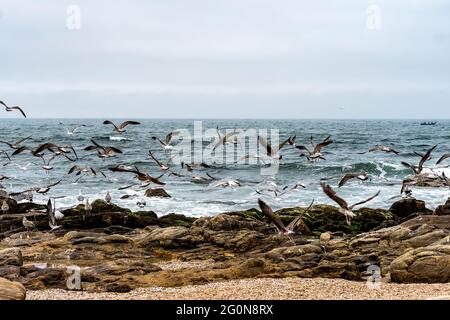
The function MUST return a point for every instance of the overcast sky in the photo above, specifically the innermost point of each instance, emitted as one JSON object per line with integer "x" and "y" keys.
{"x": 227, "y": 58}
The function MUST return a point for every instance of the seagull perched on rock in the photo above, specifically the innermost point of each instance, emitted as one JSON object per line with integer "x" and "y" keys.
{"x": 345, "y": 209}
{"x": 108, "y": 198}
{"x": 27, "y": 224}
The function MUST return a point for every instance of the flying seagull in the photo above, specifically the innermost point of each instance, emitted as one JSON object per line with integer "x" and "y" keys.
{"x": 418, "y": 169}
{"x": 444, "y": 157}
{"x": 315, "y": 154}
{"x": 51, "y": 212}
{"x": 279, "y": 225}
{"x": 71, "y": 131}
{"x": 10, "y": 109}
{"x": 349, "y": 176}
{"x": 232, "y": 183}
{"x": 121, "y": 127}
{"x": 226, "y": 139}
{"x": 345, "y": 209}
{"x": 382, "y": 149}
{"x": 15, "y": 145}
{"x": 271, "y": 151}
{"x": 166, "y": 143}
{"x": 103, "y": 152}
{"x": 146, "y": 179}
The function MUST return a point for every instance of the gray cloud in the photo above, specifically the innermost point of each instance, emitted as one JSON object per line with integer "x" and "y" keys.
{"x": 198, "y": 58}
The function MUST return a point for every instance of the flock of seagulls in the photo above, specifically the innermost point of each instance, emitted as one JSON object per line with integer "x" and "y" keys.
{"x": 48, "y": 152}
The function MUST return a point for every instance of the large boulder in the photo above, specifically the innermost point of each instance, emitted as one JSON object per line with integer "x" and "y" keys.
{"x": 427, "y": 265}
{"x": 407, "y": 207}
{"x": 157, "y": 192}
{"x": 10, "y": 290}
{"x": 167, "y": 237}
{"x": 444, "y": 209}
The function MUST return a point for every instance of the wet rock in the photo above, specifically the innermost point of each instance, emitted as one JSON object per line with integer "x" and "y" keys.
{"x": 173, "y": 219}
{"x": 427, "y": 265}
{"x": 45, "y": 278}
{"x": 227, "y": 222}
{"x": 323, "y": 218}
{"x": 167, "y": 237}
{"x": 10, "y": 272}
{"x": 10, "y": 290}
{"x": 157, "y": 192}
{"x": 11, "y": 257}
{"x": 443, "y": 209}
{"x": 407, "y": 207}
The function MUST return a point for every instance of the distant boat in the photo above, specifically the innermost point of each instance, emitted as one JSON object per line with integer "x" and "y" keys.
{"x": 429, "y": 123}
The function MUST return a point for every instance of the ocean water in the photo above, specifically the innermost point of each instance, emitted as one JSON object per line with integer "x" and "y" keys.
{"x": 350, "y": 138}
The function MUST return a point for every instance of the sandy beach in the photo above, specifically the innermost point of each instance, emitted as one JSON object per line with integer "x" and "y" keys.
{"x": 265, "y": 289}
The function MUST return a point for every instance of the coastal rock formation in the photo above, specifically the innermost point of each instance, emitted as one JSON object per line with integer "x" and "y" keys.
{"x": 121, "y": 250}
{"x": 443, "y": 209}
{"x": 430, "y": 264}
{"x": 10, "y": 290}
{"x": 157, "y": 192}
{"x": 407, "y": 207}
{"x": 11, "y": 257}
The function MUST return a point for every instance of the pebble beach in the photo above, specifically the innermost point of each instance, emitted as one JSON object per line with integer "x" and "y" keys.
{"x": 265, "y": 289}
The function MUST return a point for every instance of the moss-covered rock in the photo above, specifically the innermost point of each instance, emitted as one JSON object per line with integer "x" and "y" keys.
{"x": 174, "y": 219}
{"x": 323, "y": 218}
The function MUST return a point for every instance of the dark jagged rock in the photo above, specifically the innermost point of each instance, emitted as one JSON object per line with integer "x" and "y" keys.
{"x": 157, "y": 192}
{"x": 443, "y": 209}
{"x": 407, "y": 207}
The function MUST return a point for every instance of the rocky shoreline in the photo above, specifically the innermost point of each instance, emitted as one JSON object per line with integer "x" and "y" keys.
{"x": 115, "y": 250}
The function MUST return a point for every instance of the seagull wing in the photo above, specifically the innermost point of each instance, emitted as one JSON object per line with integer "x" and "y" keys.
{"x": 110, "y": 122}
{"x": 126, "y": 123}
{"x": 365, "y": 201}
{"x": 168, "y": 138}
{"x": 154, "y": 159}
{"x": 265, "y": 145}
{"x": 294, "y": 223}
{"x": 268, "y": 212}
{"x": 426, "y": 157}
{"x": 51, "y": 213}
{"x": 445, "y": 156}
{"x": 20, "y": 109}
{"x": 325, "y": 143}
{"x": 22, "y": 140}
{"x": 333, "y": 196}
